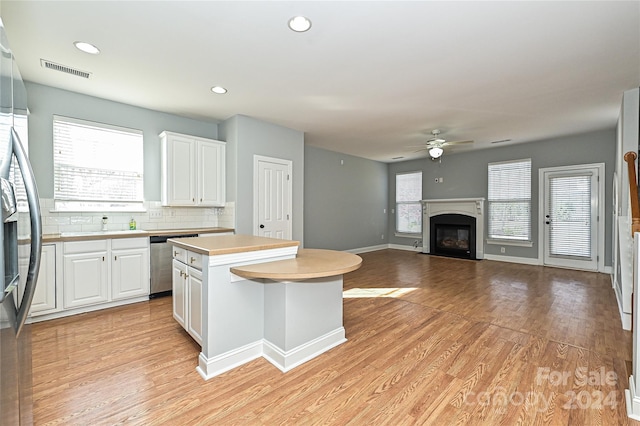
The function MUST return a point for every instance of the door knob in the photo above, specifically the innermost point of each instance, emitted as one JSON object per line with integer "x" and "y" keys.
{"x": 261, "y": 226}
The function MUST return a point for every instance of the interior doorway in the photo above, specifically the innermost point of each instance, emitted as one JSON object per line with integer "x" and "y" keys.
{"x": 272, "y": 189}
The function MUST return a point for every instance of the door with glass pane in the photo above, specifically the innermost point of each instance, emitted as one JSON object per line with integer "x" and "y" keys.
{"x": 571, "y": 218}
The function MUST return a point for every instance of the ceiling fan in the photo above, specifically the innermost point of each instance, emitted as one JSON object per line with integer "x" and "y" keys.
{"x": 435, "y": 145}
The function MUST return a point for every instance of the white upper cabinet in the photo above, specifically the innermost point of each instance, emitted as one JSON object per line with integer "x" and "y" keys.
{"x": 193, "y": 171}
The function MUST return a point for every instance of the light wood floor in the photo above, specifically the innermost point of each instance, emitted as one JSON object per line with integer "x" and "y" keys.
{"x": 431, "y": 340}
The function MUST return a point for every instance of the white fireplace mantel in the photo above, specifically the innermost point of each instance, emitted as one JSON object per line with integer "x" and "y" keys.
{"x": 473, "y": 207}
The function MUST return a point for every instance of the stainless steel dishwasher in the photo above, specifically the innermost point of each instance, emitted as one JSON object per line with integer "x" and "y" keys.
{"x": 161, "y": 260}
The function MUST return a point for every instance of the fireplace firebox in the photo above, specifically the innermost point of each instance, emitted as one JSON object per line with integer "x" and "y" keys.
{"x": 453, "y": 235}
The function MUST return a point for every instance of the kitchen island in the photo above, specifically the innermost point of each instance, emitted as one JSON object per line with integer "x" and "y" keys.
{"x": 255, "y": 296}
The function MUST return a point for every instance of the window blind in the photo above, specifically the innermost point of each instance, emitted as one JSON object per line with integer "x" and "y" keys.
{"x": 408, "y": 207}
{"x": 509, "y": 200}
{"x": 97, "y": 163}
{"x": 569, "y": 201}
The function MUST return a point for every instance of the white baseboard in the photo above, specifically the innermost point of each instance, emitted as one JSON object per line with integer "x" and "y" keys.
{"x": 632, "y": 400}
{"x": 286, "y": 360}
{"x": 211, "y": 367}
{"x": 84, "y": 309}
{"x": 368, "y": 249}
{"x": 403, "y": 247}
{"x": 607, "y": 270}
{"x": 625, "y": 317}
{"x": 513, "y": 259}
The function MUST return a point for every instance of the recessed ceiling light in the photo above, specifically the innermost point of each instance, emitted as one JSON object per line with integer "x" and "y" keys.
{"x": 219, "y": 90}
{"x": 86, "y": 47}
{"x": 299, "y": 24}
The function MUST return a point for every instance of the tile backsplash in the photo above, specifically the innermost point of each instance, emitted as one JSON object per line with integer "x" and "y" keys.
{"x": 155, "y": 217}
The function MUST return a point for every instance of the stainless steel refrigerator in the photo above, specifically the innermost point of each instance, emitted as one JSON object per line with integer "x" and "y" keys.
{"x": 21, "y": 233}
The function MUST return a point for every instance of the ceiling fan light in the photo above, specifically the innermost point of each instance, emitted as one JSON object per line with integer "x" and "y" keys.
{"x": 435, "y": 152}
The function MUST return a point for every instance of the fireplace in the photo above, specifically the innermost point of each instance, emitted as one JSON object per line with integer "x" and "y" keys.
{"x": 453, "y": 227}
{"x": 453, "y": 235}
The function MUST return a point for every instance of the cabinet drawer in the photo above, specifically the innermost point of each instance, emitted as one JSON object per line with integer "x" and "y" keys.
{"x": 129, "y": 243}
{"x": 180, "y": 254}
{"x": 194, "y": 260}
{"x": 85, "y": 246}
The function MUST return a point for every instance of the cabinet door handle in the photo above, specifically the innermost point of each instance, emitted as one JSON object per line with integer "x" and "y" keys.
{"x": 193, "y": 259}
{"x": 103, "y": 258}
{"x": 193, "y": 199}
{"x": 185, "y": 276}
{"x": 175, "y": 253}
{"x": 181, "y": 273}
{"x": 115, "y": 257}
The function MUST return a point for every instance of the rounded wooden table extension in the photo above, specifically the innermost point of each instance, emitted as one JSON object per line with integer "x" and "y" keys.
{"x": 309, "y": 263}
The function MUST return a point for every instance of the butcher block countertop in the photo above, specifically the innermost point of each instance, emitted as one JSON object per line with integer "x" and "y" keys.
{"x": 101, "y": 235}
{"x": 309, "y": 263}
{"x": 230, "y": 244}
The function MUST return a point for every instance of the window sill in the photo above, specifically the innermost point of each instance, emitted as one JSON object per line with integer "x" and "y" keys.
{"x": 64, "y": 206}
{"x": 127, "y": 210}
{"x": 510, "y": 243}
{"x": 407, "y": 235}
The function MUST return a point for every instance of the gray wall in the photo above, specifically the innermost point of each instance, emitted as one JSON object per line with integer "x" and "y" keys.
{"x": 45, "y": 101}
{"x": 465, "y": 176}
{"x": 247, "y": 137}
{"x": 344, "y": 199}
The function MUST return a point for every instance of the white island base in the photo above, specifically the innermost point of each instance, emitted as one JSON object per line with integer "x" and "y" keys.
{"x": 285, "y": 308}
{"x": 300, "y": 321}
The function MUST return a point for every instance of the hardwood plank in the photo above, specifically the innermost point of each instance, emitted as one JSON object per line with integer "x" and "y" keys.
{"x": 431, "y": 340}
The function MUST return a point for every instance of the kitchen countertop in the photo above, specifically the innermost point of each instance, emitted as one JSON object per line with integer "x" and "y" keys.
{"x": 309, "y": 263}
{"x": 229, "y": 244}
{"x": 101, "y": 235}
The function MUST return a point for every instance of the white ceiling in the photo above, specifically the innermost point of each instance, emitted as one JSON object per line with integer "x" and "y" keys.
{"x": 370, "y": 79}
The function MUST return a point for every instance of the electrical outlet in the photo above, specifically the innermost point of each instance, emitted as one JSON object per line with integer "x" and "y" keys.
{"x": 382, "y": 237}
{"x": 502, "y": 250}
{"x": 155, "y": 214}
{"x": 440, "y": 179}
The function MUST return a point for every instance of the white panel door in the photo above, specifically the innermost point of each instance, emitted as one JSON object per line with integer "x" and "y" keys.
{"x": 571, "y": 201}
{"x": 272, "y": 197}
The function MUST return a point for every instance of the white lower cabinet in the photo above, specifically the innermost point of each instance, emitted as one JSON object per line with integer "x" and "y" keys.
{"x": 85, "y": 273}
{"x": 187, "y": 292}
{"x": 179, "y": 284}
{"x": 129, "y": 268}
{"x": 194, "y": 304}
{"x": 102, "y": 271}
{"x": 44, "y": 298}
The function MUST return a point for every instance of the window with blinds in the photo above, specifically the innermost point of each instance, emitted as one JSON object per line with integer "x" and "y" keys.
{"x": 97, "y": 166}
{"x": 509, "y": 200}
{"x": 408, "y": 206}
{"x": 569, "y": 201}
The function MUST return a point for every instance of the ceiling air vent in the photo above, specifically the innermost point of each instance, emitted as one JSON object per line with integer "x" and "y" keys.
{"x": 63, "y": 68}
